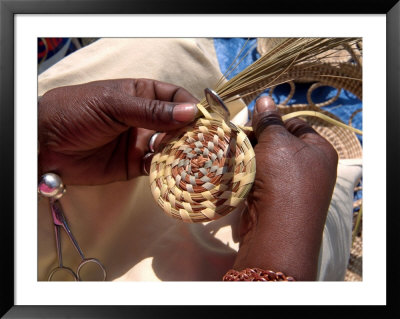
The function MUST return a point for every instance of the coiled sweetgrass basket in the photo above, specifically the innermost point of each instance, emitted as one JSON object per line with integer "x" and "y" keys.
{"x": 204, "y": 171}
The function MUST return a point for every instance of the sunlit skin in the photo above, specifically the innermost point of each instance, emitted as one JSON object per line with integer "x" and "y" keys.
{"x": 98, "y": 133}
{"x": 296, "y": 173}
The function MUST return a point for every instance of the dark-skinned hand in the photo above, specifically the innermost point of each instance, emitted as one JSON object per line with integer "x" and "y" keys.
{"x": 287, "y": 207}
{"x": 98, "y": 132}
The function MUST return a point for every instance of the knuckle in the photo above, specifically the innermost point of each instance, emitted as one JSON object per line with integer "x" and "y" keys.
{"x": 329, "y": 149}
{"x": 125, "y": 85}
{"x": 104, "y": 92}
{"x": 298, "y": 127}
{"x": 144, "y": 88}
{"x": 181, "y": 94}
{"x": 333, "y": 155}
{"x": 140, "y": 87}
{"x": 157, "y": 111}
{"x": 265, "y": 120}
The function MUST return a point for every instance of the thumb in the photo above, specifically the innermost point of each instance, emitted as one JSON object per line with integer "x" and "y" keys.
{"x": 151, "y": 114}
{"x": 266, "y": 117}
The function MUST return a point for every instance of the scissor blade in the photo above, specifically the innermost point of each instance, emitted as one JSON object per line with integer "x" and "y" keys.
{"x": 59, "y": 220}
{"x": 57, "y": 213}
{"x": 58, "y": 245}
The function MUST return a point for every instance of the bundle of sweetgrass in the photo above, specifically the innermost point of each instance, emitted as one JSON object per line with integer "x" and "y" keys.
{"x": 289, "y": 60}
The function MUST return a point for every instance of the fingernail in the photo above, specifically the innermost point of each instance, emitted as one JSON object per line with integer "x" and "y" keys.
{"x": 184, "y": 112}
{"x": 264, "y": 104}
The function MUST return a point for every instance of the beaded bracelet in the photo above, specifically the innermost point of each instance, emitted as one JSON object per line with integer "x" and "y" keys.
{"x": 255, "y": 274}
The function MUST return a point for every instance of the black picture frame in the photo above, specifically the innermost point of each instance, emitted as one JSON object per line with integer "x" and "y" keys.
{"x": 8, "y": 10}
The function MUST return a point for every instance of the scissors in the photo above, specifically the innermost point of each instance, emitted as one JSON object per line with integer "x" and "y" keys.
{"x": 52, "y": 187}
{"x": 60, "y": 221}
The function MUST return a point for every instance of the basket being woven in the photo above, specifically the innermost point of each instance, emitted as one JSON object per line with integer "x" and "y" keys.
{"x": 204, "y": 171}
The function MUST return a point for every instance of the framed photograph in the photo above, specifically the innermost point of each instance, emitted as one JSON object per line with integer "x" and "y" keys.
{"x": 25, "y": 290}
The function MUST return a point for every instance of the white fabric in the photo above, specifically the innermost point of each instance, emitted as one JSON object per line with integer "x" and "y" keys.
{"x": 337, "y": 236}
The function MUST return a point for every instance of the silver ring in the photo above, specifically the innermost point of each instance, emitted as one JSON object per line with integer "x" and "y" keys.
{"x": 144, "y": 162}
{"x": 152, "y": 141}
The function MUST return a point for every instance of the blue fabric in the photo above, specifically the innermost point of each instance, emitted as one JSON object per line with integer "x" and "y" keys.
{"x": 227, "y": 50}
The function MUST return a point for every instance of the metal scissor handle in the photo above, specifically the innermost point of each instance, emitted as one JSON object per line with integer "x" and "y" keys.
{"x": 88, "y": 261}
{"x": 50, "y": 185}
{"x": 60, "y": 221}
{"x": 63, "y": 269}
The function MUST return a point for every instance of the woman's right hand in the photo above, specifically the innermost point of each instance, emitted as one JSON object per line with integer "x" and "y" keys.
{"x": 287, "y": 208}
{"x": 98, "y": 132}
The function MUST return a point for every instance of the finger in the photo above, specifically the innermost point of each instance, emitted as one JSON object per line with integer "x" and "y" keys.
{"x": 305, "y": 132}
{"x": 157, "y": 90}
{"x": 152, "y": 114}
{"x": 149, "y": 89}
{"x": 169, "y": 92}
{"x": 247, "y": 129}
{"x": 143, "y": 138}
{"x": 146, "y": 163}
{"x": 266, "y": 117}
{"x": 299, "y": 128}
{"x": 143, "y": 144}
{"x": 247, "y": 221}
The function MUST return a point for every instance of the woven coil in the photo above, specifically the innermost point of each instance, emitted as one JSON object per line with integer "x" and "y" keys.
{"x": 204, "y": 171}
{"x": 343, "y": 140}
